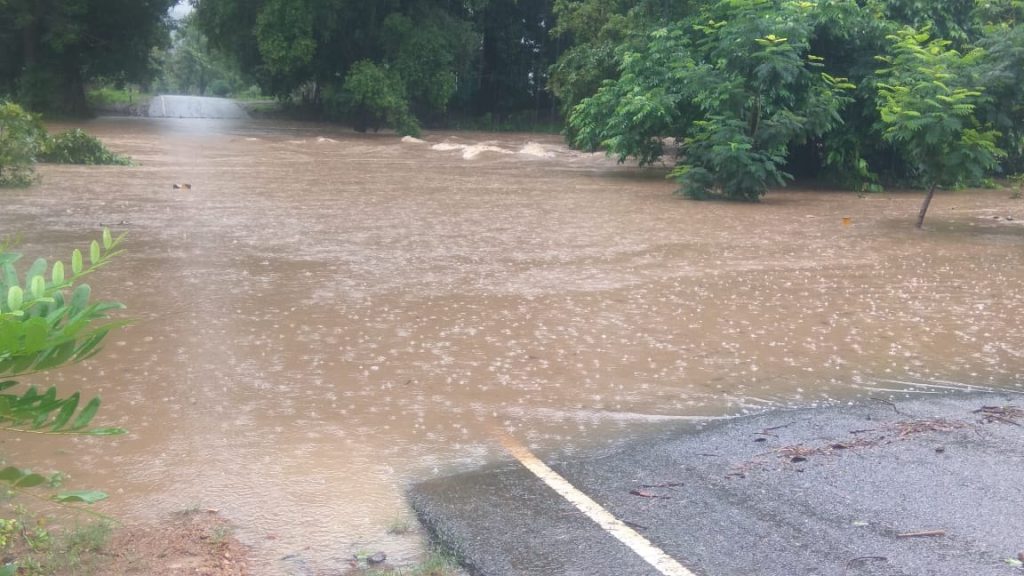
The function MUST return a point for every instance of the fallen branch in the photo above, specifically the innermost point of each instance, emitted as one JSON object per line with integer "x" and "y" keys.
{"x": 921, "y": 534}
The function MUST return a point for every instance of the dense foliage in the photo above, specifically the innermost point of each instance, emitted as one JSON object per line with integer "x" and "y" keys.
{"x": 750, "y": 91}
{"x": 190, "y": 66}
{"x": 50, "y": 49}
{"x": 21, "y": 139}
{"x": 440, "y": 58}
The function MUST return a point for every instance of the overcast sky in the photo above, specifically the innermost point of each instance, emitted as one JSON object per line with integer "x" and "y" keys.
{"x": 181, "y": 9}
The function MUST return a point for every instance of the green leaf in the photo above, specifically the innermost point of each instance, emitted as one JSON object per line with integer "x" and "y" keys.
{"x": 38, "y": 268}
{"x": 66, "y": 412}
{"x": 36, "y": 331}
{"x": 76, "y": 262}
{"x": 94, "y": 253}
{"x": 80, "y": 297}
{"x": 108, "y": 240}
{"x": 83, "y": 496}
{"x": 86, "y": 415}
{"x": 11, "y": 474}
{"x": 57, "y": 275}
{"x": 15, "y": 298}
{"x": 38, "y": 287}
{"x": 30, "y": 481}
{"x": 106, "y": 432}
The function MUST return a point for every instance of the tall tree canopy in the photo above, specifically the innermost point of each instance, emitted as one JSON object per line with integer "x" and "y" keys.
{"x": 49, "y": 49}
{"x": 751, "y": 91}
{"x": 474, "y": 56}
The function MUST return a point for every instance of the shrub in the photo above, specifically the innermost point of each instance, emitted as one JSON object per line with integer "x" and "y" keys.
{"x": 77, "y": 147}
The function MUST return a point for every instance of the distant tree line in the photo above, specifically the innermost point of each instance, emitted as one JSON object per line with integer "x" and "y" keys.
{"x": 742, "y": 95}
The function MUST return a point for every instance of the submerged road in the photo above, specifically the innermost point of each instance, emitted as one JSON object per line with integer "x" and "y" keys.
{"x": 917, "y": 486}
{"x": 194, "y": 107}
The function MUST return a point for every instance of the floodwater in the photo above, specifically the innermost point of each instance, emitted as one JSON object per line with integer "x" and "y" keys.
{"x": 325, "y": 317}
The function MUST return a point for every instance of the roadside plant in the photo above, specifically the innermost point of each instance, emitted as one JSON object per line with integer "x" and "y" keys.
{"x": 48, "y": 320}
{"x": 927, "y": 102}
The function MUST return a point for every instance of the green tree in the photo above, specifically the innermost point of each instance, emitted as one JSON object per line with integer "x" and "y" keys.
{"x": 592, "y": 32}
{"x": 374, "y": 96}
{"x": 1001, "y": 72}
{"x": 308, "y": 49}
{"x": 735, "y": 85}
{"x": 191, "y": 66}
{"x": 928, "y": 104}
{"x": 52, "y": 48}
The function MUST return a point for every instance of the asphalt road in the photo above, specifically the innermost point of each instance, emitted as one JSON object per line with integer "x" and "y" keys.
{"x": 931, "y": 485}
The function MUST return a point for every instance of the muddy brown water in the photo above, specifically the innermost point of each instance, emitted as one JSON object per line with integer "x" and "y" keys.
{"x": 326, "y": 317}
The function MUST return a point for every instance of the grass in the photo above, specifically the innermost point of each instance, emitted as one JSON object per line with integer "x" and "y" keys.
{"x": 399, "y": 526}
{"x": 40, "y": 551}
{"x": 111, "y": 96}
{"x": 436, "y": 563}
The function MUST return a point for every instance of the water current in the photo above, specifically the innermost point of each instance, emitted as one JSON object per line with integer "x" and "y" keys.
{"x": 325, "y": 317}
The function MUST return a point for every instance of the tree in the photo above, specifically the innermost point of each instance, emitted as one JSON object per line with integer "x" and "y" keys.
{"x": 1001, "y": 72}
{"x": 191, "y": 66}
{"x": 735, "y": 85}
{"x": 928, "y": 104}
{"x": 52, "y": 48}
{"x": 374, "y": 96}
{"x": 309, "y": 48}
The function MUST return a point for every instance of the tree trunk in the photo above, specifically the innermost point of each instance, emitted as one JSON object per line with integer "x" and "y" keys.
{"x": 924, "y": 206}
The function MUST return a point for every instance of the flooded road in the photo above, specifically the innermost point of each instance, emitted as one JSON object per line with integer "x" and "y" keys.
{"x": 326, "y": 317}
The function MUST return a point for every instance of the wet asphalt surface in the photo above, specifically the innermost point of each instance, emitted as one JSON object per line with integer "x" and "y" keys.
{"x": 930, "y": 485}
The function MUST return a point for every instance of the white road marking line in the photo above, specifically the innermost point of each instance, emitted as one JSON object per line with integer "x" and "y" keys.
{"x": 641, "y": 546}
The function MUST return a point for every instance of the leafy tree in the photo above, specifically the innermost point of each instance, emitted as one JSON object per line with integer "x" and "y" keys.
{"x": 593, "y": 31}
{"x": 373, "y": 96}
{"x": 309, "y": 48}
{"x": 52, "y": 48}
{"x": 191, "y": 66}
{"x": 927, "y": 105}
{"x": 1001, "y": 72}
{"x": 47, "y": 320}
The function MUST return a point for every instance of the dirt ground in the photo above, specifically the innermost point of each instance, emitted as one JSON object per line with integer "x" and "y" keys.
{"x": 195, "y": 542}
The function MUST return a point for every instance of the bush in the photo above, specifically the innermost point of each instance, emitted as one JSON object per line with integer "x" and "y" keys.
{"x": 372, "y": 96}
{"x": 77, "y": 147}
{"x": 21, "y": 138}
